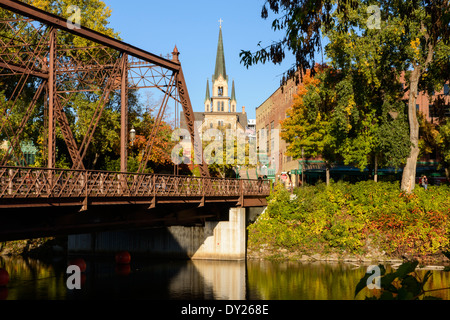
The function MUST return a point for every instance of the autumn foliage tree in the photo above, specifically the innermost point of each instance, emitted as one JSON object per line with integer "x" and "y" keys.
{"x": 308, "y": 127}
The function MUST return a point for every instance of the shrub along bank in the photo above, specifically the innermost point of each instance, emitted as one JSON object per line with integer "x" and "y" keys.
{"x": 363, "y": 221}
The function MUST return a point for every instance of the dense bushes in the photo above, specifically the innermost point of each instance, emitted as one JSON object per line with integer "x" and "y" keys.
{"x": 347, "y": 217}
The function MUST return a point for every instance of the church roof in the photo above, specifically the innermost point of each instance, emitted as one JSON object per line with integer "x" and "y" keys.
{"x": 220, "y": 60}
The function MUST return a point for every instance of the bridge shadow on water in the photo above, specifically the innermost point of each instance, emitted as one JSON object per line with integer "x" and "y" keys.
{"x": 142, "y": 279}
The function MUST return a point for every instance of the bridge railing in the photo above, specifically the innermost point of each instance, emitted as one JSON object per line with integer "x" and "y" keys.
{"x": 19, "y": 182}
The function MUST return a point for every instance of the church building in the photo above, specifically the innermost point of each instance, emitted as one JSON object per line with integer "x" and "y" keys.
{"x": 220, "y": 104}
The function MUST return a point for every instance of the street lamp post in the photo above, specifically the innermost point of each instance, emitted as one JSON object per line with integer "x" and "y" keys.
{"x": 132, "y": 136}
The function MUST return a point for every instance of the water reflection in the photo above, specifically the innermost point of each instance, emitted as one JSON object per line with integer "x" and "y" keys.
{"x": 194, "y": 280}
{"x": 32, "y": 279}
{"x": 320, "y": 281}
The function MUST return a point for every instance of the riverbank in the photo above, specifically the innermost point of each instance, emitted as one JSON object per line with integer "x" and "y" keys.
{"x": 41, "y": 248}
{"x": 362, "y": 222}
{"x": 283, "y": 254}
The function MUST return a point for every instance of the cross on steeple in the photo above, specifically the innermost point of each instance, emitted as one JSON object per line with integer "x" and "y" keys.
{"x": 220, "y": 21}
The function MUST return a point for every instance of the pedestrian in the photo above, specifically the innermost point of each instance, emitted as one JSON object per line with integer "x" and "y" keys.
{"x": 259, "y": 184}
{"x": 425, "y": 182}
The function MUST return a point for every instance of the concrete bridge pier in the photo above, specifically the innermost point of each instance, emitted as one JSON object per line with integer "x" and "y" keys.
{"x": 216, "y": 240}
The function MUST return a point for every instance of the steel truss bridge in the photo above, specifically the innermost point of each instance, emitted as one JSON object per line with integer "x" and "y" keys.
{"x": 35, "y": 55}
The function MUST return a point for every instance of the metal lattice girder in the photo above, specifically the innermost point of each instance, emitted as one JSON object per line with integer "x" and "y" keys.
{"x": 105, "y": 66}
{"x": 47, "y": 18}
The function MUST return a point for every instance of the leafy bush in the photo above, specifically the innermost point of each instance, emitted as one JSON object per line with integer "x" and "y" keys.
{"x": 343, "y": 216}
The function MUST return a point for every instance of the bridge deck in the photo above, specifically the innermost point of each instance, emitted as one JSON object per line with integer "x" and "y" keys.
{"x": 37, "y": 187}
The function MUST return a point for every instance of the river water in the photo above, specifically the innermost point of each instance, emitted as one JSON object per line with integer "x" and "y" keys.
{"x": 192, "y": 280}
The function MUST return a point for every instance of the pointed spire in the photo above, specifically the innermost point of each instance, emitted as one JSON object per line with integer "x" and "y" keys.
{"x": 208, "y": 97}
{"x": 175, "y": 54}
{"x": 233, "y": 93}
{"x": 220, "y": 60}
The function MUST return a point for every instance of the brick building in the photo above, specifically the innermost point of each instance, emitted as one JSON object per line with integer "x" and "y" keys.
{"x": 274, "y": 109}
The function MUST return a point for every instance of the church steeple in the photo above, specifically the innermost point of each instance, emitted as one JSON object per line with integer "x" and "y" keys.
{"x": 233, "y": 98}
{"x": 207, "y": 98}
{"x": 220, "y": 60}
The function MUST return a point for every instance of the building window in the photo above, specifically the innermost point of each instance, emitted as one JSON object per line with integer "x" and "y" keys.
{"x": 220, "y": 91}
{"x": 446, "y": 89}
{"x": 220, "y": 123}
{"x": 417, "y": 107}
{"x": 222, "y": 106}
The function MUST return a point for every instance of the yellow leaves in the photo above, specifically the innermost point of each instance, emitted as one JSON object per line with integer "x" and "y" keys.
{"x": 40, "y": 4}
{"x": 348, "y": 109}
{"x": 319, "y": 117}
{"x": 415, "y": 45}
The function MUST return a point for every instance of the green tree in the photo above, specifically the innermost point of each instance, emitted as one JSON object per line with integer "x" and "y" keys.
{"x": 414, "y": 41}
{"x": 443, "y": 142}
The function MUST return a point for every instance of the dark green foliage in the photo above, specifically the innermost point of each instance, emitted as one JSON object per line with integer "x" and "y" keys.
{"x": 401, "y": 284}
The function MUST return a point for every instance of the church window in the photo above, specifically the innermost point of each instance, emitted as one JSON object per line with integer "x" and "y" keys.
{"x": 220, "y": 93}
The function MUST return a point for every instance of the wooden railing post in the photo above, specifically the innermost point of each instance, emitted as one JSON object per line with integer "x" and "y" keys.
{"x": 10, "y": 181}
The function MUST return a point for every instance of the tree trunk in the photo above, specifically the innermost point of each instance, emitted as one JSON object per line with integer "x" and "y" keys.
{"x": 327, "y": 173}
{"x": 375, "y": 169}
{"x": 409, "y": 171}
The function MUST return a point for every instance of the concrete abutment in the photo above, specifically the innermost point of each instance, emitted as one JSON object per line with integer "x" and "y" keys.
{"x": 216, "y": 240}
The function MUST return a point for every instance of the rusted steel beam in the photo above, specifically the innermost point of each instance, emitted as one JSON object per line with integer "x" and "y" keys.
{"x": 60, "y": 23}
{"x": 190, "y": 119}
{"x": 124, "y": 115}
{"x": 51, "y": 153}
{"x": 17, "y": 69}
{"x": 67, "y": 134}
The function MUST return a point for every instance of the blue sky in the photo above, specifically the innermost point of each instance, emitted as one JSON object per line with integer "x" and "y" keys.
{"x": 193, "y": 26}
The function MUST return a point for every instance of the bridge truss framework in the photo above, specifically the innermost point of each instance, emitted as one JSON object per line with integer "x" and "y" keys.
{"x": 32, "y": 50}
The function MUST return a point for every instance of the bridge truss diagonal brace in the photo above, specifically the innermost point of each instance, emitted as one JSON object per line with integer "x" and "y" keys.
{"x": 190, "y": 121}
